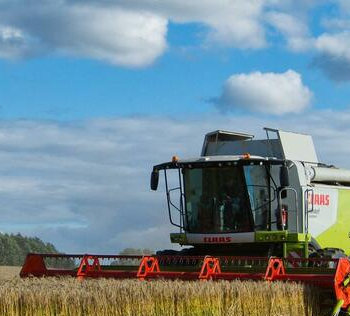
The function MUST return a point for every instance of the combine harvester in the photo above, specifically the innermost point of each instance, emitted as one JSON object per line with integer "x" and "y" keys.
{"x": 249, "y": 209}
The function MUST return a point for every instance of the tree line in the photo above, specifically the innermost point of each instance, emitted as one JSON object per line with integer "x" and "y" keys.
{"x": 14, "y": 248}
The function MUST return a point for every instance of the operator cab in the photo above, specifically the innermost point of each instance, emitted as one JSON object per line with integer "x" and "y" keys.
{"x": 220, "y": 195}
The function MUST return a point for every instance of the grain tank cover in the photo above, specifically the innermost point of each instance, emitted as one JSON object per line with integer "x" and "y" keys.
{"x": 296, "y": 146}
{"x": 278, "y": 144}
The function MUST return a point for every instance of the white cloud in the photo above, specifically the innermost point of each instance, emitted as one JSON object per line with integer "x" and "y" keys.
{"x": 332, "y": 47}
{"x": 291, "y": 20}
{"x": 12, "y": 43}
{"x": 85, "y": 186}
{"x": 113, "y": 34}
{"x": 294, "y": 30}
{"x": 271, "y": 93}
{"x": 129, "y": 33}
{"x": 134, "y": 32}
{"x": 333, "y": 54}
{"x": 335, "y": 45}
{"x": 233, "y": 23}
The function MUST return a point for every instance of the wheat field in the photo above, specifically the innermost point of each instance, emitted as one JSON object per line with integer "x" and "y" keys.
{"x": 8, "y": 273}
{"x": 102, "y": 297}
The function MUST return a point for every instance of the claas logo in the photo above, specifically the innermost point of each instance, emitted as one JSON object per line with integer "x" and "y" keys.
{"x": 319, "y": 199}
{"x": 217, "y": 240}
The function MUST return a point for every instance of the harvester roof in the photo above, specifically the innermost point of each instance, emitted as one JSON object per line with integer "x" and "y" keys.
{"x": 209, "y": 161}
{"x": 279, "y": 144}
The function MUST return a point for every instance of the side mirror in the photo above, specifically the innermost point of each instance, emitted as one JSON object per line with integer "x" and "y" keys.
{"x": 154, "y": 180}
{"x": 284, "y": 176}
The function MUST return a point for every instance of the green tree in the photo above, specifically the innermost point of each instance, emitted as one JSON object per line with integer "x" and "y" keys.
{"x": 14, "y": 248}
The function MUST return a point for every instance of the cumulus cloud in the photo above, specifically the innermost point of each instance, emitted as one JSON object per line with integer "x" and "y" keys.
{"x": 294, "y": 30}
{"x": 133, "y": 33}
{"x": 234, "y": 23}
{"x": 337, "y": 45}
{"x": 271, "y": 93}
{"x": 113, "y": 34}
{"x": 12, "y": 43}
{"x": 334, "y": 55}
{"x": 85, "y": 185}
{"x": 332, "y": 46}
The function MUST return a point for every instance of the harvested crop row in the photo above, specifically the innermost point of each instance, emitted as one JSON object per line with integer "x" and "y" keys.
{"x": 66, "y": 296}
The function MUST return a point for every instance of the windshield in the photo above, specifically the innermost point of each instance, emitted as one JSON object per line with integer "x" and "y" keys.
{"x": 217, "y": 200}
{"x": 259, "y": 194}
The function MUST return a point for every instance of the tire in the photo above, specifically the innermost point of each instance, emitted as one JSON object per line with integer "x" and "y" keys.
{"x": 331, "y": 253}
{"x": 327, "y": 253}
{"x": 313, "y": 246}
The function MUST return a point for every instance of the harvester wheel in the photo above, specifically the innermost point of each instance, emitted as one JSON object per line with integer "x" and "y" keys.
{"x": 331, "y": 253}
{"x": 327, "y": 253}
{"x": 313, "y": 247}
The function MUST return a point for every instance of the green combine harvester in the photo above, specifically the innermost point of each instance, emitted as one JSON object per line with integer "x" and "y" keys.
{"x": 245, "y": 209}
{"x": 268, "y": 197}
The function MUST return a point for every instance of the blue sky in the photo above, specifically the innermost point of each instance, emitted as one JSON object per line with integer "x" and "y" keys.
{"x": 93, "y": 93}
{"x": 70, "y": 88}
{"x": 50, "y": 84}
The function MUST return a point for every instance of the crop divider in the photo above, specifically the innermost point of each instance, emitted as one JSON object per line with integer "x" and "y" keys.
{"x": 210, "y": 267}
{"x": 149, "y": 264}
{"x": 86, "y": 268}
{"x": 275, "y": 267}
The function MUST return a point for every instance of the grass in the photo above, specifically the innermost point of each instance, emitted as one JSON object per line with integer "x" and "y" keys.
{"x": 72, "y": 297}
